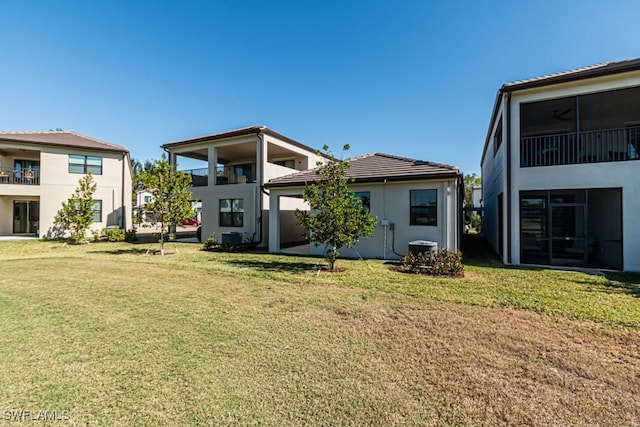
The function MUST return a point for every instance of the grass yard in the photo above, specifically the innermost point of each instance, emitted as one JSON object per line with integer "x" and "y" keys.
{"x": 106, "y": 335}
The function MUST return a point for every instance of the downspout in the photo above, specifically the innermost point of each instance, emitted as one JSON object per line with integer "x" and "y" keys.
{"x": 123, "y": 220}
{"x": 508, "y": 189}
{"x": 258, "y": 217}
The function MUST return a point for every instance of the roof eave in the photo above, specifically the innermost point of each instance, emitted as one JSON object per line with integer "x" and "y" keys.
{"x": 379, "y": 180}
{"x": 57, "y": 144}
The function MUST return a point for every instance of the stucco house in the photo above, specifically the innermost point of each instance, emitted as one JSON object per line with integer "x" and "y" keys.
{"x": 230, "y": 186}
{"x": 560, "y": 167}
{"x": 412, "y": 199}
{"x": 40, "y": 170}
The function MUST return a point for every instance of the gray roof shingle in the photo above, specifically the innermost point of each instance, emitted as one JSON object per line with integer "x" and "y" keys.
{"x": 602, "y": 69}
{"x": 61, "y": 138}
{"x": 377, "y": 167}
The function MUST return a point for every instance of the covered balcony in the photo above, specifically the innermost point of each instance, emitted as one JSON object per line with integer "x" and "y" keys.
{"x": 237, "y": 163}
{"x": 593, "y": 128}
{"x": 19, "y": 176}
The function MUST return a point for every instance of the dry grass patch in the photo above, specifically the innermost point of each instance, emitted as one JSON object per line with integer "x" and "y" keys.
{"x": 116, "y": 337}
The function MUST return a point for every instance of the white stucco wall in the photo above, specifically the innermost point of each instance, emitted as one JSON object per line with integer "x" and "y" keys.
{"x": 256, "y": 203}
{"x": 596, "y": 175}
{"x": 391, "y": 201}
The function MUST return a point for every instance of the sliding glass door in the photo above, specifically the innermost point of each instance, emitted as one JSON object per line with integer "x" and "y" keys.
{"x": 573, "y": 227}
{"x": 26, "y": 215}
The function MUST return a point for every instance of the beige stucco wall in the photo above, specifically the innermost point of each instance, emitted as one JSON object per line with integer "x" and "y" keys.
{"x": 57, "y": 185}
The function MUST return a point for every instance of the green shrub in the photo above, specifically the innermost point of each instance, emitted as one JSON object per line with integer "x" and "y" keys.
{"x": 113, "y": 234}
{"x": 441, "y": 263}
{"x": 210, "y": 243}
{"x": 130, "y": 236}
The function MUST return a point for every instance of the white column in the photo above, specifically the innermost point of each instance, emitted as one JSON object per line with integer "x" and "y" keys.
{"x": 212, "y": 155}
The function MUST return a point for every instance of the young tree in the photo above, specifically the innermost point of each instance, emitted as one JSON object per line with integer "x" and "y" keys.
{"x": 337, "y": 218}
{"x": 470, "y": 181}
{"x": 137, "y": 169}
{"x": 171, "y": 201}
{"x": 76, "y": 215}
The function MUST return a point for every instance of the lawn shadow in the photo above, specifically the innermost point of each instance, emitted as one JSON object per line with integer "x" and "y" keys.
{"x": 625, "y": 282}
{"x": 276, "y": 266}
{"x": 476, "y": 251}
{"x": 130, "y": 251}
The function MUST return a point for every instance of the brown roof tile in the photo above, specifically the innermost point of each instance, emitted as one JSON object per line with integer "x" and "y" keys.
{"x": 60, "y": 138}
{"x": 377, "y": 167}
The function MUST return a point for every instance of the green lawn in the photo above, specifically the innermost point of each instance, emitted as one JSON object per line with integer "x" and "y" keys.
{"x": 106, "y": 335}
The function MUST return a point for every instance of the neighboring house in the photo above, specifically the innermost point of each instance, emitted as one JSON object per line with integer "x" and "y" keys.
{"x": 412, "y": 199}
{"x": 476, "y": 196}
{"x": 143, "y": 197}
{"x": 231, "y": 185}
{"x": 40, "y": 170}
{"x": 560, "y": 169}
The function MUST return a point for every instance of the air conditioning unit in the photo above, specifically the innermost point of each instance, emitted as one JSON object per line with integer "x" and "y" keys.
{"x": 231, "y": 238}
{"x": 423, "y": 246}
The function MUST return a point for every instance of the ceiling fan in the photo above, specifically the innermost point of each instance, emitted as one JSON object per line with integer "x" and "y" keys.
{"x": 562, "y": 116}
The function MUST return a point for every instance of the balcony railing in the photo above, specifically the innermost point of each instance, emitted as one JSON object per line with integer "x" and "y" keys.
{"x": 19, "y": 176}
{"x": 199, "y": 177}
{"x": 607, "y": 145}
{"x": 237, "y": 174}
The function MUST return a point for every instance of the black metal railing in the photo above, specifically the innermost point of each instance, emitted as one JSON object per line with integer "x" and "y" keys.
{"x": 199, "y": 177}
{"x": 236, "y": 174}
{"x": 607, "y": 145}
{"x": 19, "y": 176}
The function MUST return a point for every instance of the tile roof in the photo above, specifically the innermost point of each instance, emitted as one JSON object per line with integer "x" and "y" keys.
{"x": 61, "y": 138}
{"x": 377, "y": 167}
{"x": 604, "y": 68}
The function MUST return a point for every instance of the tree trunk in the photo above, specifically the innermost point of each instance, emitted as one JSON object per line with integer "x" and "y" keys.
{"x": 162, "y": 239}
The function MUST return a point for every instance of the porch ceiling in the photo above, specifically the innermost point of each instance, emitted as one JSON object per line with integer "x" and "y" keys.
{"x": 238, "y": 152}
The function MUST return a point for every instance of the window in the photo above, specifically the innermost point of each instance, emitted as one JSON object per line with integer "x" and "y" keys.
{"x": 231, "y": 212}
{"x": 97, "y": 210}
{"x": 85, "y": 164}
{"x": 291, "y": 163}
{"x": 497, "y": 137}
{"x": 424, "y": 207}
{"x": 365, "y": 198}
{"x": 147, "y": 199}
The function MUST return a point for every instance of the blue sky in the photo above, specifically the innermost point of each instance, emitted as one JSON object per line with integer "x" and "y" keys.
{"x": 412, "y": 78}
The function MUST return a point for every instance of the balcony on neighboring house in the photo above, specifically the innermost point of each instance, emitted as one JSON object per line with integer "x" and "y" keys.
{"x": 19, "y": 176}
{"x": 606, "y": 145}
{"x": 225, "y": 175}
{"x": 199, "y": 177}
{"x": 588, "y": 128}
{"x": 236, "y": 174}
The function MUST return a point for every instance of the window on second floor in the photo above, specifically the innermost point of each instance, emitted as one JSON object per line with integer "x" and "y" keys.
{"x": 290, "y": 163}
{"x": 85, "y": 164}
{"x": 497, "y": 137}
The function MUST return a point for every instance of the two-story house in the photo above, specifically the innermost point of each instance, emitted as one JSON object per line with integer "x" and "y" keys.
{"x": 230, "y": 186}
{"x": 40, "y": 170}
{"x": 560, "y": 169}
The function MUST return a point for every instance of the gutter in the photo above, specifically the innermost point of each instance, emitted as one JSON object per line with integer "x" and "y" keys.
{"x": 508, "y": 189}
